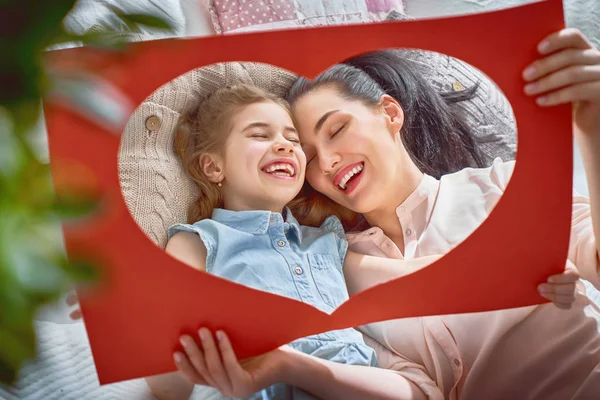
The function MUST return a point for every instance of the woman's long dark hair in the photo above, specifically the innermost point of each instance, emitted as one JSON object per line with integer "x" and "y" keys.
{"x": 435, "y": 132}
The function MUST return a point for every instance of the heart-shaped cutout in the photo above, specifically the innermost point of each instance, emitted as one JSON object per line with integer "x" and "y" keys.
{"x": 148, "y": 298}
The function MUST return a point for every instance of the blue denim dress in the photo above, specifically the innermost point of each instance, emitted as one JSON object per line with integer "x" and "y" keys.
{"x": 261, "y": 250}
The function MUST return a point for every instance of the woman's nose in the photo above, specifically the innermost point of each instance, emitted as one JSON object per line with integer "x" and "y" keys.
{"x": 328, "y": 163}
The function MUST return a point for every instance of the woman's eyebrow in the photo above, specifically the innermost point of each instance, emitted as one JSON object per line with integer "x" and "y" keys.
{"x": 322, "y": 120}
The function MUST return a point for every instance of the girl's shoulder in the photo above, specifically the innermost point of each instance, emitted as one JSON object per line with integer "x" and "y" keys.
{"x": 331, "y": 224}
{"x": 197, "y": 227}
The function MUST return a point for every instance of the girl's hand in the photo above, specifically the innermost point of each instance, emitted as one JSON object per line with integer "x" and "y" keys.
{"x": 561, "y": 289}
{"x": 219, "y": 367}
{"x": 568, "y": 72}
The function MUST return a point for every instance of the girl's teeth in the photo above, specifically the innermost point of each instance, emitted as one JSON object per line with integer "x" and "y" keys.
{"x": 289, "y": 170}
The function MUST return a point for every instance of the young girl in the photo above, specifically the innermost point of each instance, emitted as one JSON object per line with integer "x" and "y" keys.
{"x": 242, "y": 149}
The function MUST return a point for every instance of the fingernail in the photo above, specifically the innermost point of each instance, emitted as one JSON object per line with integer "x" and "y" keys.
{"x": 183, "y": 341}
{"x": 530, "y": 88}
{"x": 544, "y": 46}
{"x": 529, "y": 72}
{"x": 177, "y": 358}
{"x": 220, "y": 336}
{"x": 542, "y": 100}
{"x": 203, "y": 335}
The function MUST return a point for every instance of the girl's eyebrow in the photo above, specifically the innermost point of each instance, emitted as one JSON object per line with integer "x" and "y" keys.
{"x": 256, "y": 125}
{"x": 266, "y": 125}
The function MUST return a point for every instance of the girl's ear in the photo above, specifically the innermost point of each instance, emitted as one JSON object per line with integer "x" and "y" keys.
{"x": 394, "y": 112}
{"x": 212, "y": 166}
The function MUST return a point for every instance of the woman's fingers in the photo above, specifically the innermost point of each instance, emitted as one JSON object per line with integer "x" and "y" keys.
{"x": 559, "y": 61}
{"x": 563, "y": 39}
{"x": 213, "y": 361}
{"x": 72, "y": 298}
{"x": 561, "y": 294}
{"x": 570, "y": 275}
{"x": 233, "y": 368}
{"x": 187, "y": 369}
{"x": 562, "y": 301}
{"x": 581, "y": 92}
{"x": 196, "y": 359}
{"x": 572, "y": 75}
{"x": 75, "y": 314}
{"x": 562, "y": 289}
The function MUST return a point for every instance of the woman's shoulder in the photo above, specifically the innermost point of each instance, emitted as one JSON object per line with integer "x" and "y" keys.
{"x": 498, "y": 174}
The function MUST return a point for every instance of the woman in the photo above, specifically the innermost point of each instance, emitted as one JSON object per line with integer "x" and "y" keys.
{"x": 346, "y": 120}
{"x": 364, "y": 153}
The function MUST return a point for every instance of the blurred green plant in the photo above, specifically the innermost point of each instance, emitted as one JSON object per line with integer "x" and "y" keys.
{"x": 34, "y": 269}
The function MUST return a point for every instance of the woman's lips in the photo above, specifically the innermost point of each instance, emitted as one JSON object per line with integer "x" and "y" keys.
{"x": 342, "y": 173}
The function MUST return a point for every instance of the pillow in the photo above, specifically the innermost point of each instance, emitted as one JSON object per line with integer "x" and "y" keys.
{"x": 229, "y": 16}
{"x": 156, "y": 189}
{"x": 158, "y": 192}
{"x": 89, "y": 16}
{"x": 489, "y": 114}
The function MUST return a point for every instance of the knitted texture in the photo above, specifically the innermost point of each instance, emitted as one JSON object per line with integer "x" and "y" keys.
{"x": 157, "y": 190}
{"x": 155, "y": 187}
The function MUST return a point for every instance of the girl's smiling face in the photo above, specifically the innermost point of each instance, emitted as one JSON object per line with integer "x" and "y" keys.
{"x": 263, "y": 164}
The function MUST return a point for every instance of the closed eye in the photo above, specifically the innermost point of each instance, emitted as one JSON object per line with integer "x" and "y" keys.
{"x": 259, "y": 135}
{"x": 338, "y": 130}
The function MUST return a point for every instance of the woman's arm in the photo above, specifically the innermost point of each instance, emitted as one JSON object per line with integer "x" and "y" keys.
{"x": 569, "y": 72}
{"x": 330, "y": 380}
{"x": 363, "y": 271}
{"x": 188, "y": 248}
{"x": 589, "y": 145}
{"x": 218, "y": 364}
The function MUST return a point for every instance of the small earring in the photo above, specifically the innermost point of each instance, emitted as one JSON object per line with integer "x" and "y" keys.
{"x": 219, "y": 184}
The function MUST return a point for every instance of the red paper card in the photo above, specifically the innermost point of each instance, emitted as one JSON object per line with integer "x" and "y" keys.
{"x": 148, "y": 299}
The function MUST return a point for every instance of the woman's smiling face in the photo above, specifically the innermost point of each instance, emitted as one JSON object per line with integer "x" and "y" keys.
{"x": 353, "y": 151}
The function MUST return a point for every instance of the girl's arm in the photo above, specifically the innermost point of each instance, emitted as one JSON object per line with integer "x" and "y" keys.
{"x": 569, "y": 72}
{"x": 188, "y": 248}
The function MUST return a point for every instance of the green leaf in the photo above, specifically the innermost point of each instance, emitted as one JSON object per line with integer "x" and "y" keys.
{"x": 8, "y": 374}
{"x": 17, "y": 346}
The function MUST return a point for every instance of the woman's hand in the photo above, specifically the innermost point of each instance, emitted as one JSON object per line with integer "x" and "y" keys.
{"x": 216, "y": 365}
{"x": 71, "y": 301}
{"x": 562, "y": 288}
{"x": 568, "y": 72}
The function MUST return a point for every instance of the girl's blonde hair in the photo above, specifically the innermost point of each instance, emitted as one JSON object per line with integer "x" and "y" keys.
{"x": 204, "y": 129}
{"x": 311, "y": 208}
